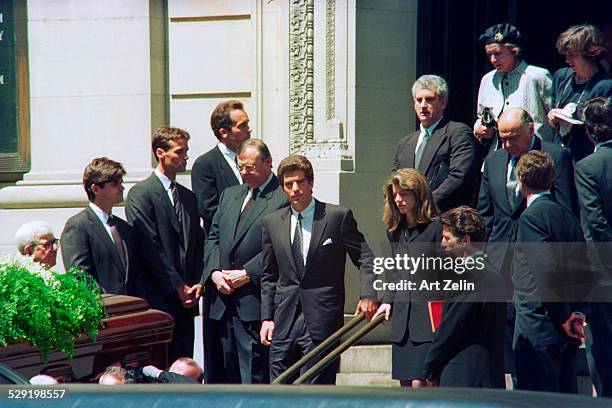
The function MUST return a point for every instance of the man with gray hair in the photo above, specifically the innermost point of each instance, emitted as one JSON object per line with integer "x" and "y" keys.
{"x": 442, "y": 150}
{"x": 36, "y": 239}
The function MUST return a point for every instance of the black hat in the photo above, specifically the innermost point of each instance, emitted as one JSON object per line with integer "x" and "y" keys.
{"x": 500, "y": 34}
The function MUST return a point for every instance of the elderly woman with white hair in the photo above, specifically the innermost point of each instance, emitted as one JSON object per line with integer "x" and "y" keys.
{"x": 36, "y": 239}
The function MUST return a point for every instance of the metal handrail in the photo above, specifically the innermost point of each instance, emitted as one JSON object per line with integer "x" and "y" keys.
{"x": 327, "y": 343}
{"x": 342, "y": 347}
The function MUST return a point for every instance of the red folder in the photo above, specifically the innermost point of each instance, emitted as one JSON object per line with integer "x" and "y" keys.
{"x": 435, "y": 313}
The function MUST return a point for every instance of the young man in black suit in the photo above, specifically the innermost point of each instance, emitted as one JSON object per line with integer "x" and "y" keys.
{"x": 594, "y": 184}
{"x": 165, "y": 218}
{"x": 547, "y": 331}
{"x": 467, "y": 347}
{"x": 234, "y": 263}
{"x": 97, "y": 241}
{"x": 302, "y": 283}
{"x": 213, "y": 172}
{"x": 443, "y": 151}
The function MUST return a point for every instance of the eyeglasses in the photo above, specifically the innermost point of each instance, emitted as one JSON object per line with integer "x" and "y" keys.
{"x": 247, "y": 167}
{"x": 50, "y": 244}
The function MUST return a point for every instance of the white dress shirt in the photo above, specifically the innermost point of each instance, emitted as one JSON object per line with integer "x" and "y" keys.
{"x": 230, "y": 158}
{"x": 307, "y": 220}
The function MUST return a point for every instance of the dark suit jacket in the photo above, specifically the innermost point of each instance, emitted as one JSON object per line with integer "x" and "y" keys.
{"x": 230, "y": 248}
{"x": 500, "y": 219}
{"x": 467, "y": 347}
{"x": 210, "y": 175}
{"x": 594, "y": 184}
{"x": 448, "y": 162}
{"x": 320, "y": 291}
{"x": 170, "y": 256}
{"x": 87, "y": 245}
{"x": 540, "y": 274}
{"x": 410, "y": 315}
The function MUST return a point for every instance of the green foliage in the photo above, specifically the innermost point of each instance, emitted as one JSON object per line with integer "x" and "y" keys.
{"x": 48, "y": 313}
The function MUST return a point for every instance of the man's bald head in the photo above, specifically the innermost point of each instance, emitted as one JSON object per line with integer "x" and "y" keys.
{"x": 515, "y": 128}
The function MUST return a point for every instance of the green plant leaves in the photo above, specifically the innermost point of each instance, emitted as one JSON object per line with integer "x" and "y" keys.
{"x": 49, "y": 314}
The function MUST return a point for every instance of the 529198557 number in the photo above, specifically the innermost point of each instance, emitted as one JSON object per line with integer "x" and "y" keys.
{"x": 36, "y": 393}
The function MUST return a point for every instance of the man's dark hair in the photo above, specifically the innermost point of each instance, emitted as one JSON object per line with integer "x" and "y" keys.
{"x": 597, "y": 117}
{"x": 536, "y": 171}
{"x": 258, "y": 144}
{"x": 220, "y": 117}
{"x": 162, "y": 136}
{"x": 463, "y": 221}
{"x": 99, "y": 171}
{"x": 295, "y": 162}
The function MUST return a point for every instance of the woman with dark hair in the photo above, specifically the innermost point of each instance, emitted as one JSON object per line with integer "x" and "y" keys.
{"x": 413, "y": 229}
{"x": 573, "y": 86}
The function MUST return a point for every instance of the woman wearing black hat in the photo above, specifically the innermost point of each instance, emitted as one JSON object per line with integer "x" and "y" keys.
{"x": 512, "y": 84}
{"x": 573, "y": 86}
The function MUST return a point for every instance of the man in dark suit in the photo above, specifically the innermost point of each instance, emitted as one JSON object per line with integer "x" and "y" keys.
{"x": 165, "y": 218}
{"x": 216, "y": 169}
{"x": 467, "y": 346}
{"x": 302, "y": 283}
{"x": 594, "y": 184}
{"x": 234, "y": 263}
{"x": 97, "y": 241}
{"x": 547, "y": 333}
{"x": 500, "y": 202}
{"x": 212, "y": 173}
{"x": 443, "y": 151}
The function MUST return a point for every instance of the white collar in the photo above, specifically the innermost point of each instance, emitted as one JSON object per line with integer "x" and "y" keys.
{"x": 226, "y": 151}
{"x": 430, "y": 129}
{"x": 306, "y": 212}
{"x": 99, "y": 212}
{"x": 163, "y": 178}
{"x": 535, "y": 196}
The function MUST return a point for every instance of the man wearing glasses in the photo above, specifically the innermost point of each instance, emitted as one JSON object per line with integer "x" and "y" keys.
{"x": 36, "y": 239}
{"x": 233, "y": 263}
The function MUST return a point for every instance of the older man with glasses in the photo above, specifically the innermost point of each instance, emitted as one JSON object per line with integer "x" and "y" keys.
{"x": 36, "y": 239}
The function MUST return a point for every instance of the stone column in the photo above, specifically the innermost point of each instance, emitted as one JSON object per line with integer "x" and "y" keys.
{"x": 97, "y": 88}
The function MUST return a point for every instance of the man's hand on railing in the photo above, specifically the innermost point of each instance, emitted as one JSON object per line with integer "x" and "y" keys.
{"x": 368, "y": 307}
{"x": 385, "y": 309}
{"x": 265, "y": 334}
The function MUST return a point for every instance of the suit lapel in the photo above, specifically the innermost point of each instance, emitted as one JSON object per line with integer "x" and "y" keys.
{"x": 186, "y": 217}
{"x": 435, "y": 140}
{"x": 318, "y": 228}
{"x": 166, "y": 204}
{"x": 521, "y": 202}
{"x": 499, "y": 175}
{"x": 226, "y": 170}
{"x": 285, "y": 227}
{"x": 258, "y": 207}
{"x": 102, "y": 235}
{"x": 411, "y": 147}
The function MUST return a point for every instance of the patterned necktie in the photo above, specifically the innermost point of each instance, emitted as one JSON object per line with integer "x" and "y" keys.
{"x": 117, "y": 239}
{"x": 512, "y": 183}
{"x": 178, "y": 208}
{"x": 420, "y": 148}
{"x": 297, "y": 246}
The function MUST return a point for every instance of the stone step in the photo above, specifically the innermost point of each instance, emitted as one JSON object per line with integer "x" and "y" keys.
{"x": 367, "y": 359}
{"x": 366, "y": 379}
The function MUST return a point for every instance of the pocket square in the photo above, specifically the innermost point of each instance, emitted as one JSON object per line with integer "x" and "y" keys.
{"x": 327, "y": 242}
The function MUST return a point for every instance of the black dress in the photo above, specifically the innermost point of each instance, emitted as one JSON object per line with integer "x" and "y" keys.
{"x": 410, "y": 324}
